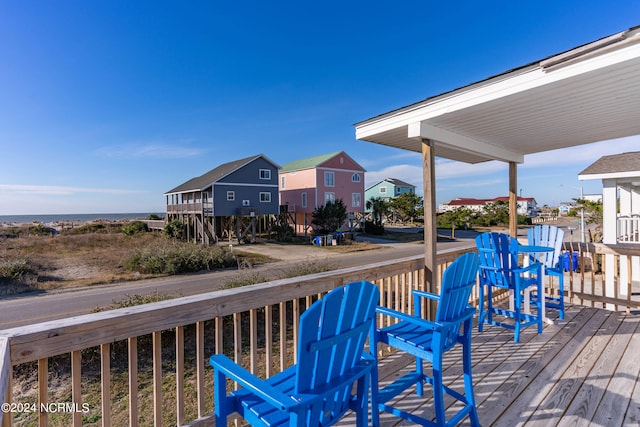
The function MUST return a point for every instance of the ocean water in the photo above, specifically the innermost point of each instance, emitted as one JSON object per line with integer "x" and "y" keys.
{"x": 57, "y": 218}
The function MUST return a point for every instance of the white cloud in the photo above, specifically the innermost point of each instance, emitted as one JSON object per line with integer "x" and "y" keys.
{"x": 581, "y": 155}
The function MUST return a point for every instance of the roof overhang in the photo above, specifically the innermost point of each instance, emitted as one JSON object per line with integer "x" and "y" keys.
{"x": 585, "y": 95}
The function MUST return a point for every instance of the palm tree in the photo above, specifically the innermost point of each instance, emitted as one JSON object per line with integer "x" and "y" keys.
{"x": 378, "y": 208}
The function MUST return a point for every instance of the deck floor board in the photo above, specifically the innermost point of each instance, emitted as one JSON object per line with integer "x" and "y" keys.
{"x": 583, "y": 370}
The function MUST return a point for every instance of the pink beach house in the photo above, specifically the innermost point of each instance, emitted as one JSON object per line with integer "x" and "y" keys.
{"x": 309, "y": 183}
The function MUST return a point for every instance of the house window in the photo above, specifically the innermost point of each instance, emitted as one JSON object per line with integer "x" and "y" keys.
{"x": 282, "y": 181}
{"x": 265, "y": 196}
{"x": 265, "y": 174}
{"x": 303, "y": 200}
{"x": 231, "y": 196}
{"x": 356, "y": 200}
{"x": 329, "y": 197}
{"x": 329, "y": 179}
{"x": 355, "y": 177}
{"x": 383, "y": 190}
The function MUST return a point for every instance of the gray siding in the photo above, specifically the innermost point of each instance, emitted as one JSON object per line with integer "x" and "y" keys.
{"x": 247, "y": 185}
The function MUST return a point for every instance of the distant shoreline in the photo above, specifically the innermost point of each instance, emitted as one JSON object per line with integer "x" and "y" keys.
{"x": 50, "y": 219}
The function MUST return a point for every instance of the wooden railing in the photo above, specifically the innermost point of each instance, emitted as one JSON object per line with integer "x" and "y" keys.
{"x": 254, "y": 325}
{"x": 139, "y": 379}
{"x": 192, "y": 207}
{"x": 604, "y": 275}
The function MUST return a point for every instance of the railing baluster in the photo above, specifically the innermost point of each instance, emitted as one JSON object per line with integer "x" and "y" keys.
{"x": 6, "y": 380}
{"x": 283, "y": 334}
{"x": 296, "y": 324}
{"x": 132, "y": 352}
{"x": 180, "y": 375}
{"x": 200, "y": 360}
{"x": 105, "y": 377}
{"x": 76, "y": 381}
{"x": 157, "y": 378}
{"x": 43, "y": 380}
{"x": 268, "y": 340}
{"x": 253, "y": 340}
{"x": 237, "y": 340}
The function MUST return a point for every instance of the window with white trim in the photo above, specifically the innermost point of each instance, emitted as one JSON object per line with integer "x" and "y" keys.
{"x": 329, "y": 197}
{"x": 356, "y": 200}
{"x": 303, "y": 200}
{"x": 283, "y": 181}
{"x": 265, "y": 196}
{"x": 383, "y": 190}
{"x": 265, "y": 174}
{"x": 329, "y": 179}
{"x": 231, "y": 196}
{"x": 355, "y": 177}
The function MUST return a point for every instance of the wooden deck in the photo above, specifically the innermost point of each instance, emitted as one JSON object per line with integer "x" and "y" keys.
{"x": 583, "y": 370}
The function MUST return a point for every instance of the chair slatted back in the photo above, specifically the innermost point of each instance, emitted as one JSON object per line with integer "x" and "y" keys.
{"x": 458, "y": 282}
{"x": 333, "y": 332}
{"x": 546, "y": 235}
{"x": 498, "y": 255}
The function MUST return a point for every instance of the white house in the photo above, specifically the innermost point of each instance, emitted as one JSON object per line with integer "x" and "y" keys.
{"x": 526, "y": 205}
{"x": 620, "y": 175}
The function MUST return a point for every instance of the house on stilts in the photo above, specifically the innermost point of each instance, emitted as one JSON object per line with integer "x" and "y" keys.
{"x": 229, "y": 202}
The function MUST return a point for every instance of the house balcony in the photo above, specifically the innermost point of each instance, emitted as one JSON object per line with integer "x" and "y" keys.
{"x": 190, "y": 208}
{"x": 148, "y": 364}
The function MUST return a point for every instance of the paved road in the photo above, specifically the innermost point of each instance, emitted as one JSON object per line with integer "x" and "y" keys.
{"x": 34, "y": 308}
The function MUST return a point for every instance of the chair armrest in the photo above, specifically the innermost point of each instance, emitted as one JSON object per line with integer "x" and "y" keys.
{"x": 487, "y": 267}
{"x": 428, "y": 324}
{"x": 249, "y": 381}
{"x": 528, "y": 268}
{"x": 423, "y": 294}
{"x": 407, "y": 318}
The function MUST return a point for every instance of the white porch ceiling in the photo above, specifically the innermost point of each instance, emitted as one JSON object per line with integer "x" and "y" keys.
{"x": 588, "y": 94}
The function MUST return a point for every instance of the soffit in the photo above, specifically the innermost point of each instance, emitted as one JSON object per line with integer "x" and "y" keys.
{"x": 592, "y": 97}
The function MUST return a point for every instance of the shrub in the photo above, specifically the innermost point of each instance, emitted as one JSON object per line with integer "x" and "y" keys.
{"x": 283, "y": 232}
{"x": 15, "y": 269}
{"x": 178, "y": 258}
{"x": 174, "y": 230}
{"x": 329, "y": 217}
{"x": 41, "y": 230}
{"x": 135, "y": 227}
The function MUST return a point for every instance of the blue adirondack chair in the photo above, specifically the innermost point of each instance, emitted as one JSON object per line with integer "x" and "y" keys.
{"x": 319, "y": 389}
{"x": 429, "y": 341}
{"x": 553, "y": 262}
{"x": 499, "y": 268}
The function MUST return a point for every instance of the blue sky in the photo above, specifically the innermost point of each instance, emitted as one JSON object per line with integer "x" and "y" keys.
{"x": 106, "y": 105}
